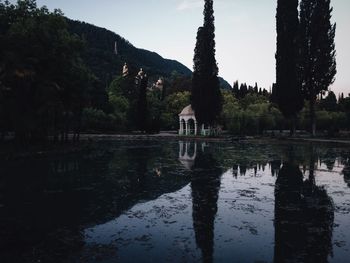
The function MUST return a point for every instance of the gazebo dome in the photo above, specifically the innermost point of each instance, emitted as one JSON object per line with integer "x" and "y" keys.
{"x": 187, "y": 111}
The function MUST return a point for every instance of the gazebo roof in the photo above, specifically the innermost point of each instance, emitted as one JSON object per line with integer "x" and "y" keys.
{"x": 187, "y": 111}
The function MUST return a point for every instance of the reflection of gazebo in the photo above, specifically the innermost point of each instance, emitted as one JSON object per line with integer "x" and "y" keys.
{"x": 187, "y": 153}
{"x": 188, "y": 123}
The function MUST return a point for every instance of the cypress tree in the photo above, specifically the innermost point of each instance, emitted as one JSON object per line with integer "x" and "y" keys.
{"x": 243, "y": 90}
{"x": 288, "y": 89}
{"x": 235, "y": 89}
{"x": 206, "y": 99}
{"x": 317, "y": 51}
{"x": 141, "y": 82}
{"x": 256, "y": 88}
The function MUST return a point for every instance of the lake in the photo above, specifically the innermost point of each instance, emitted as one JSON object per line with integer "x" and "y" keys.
{"x": 178, "y": 201}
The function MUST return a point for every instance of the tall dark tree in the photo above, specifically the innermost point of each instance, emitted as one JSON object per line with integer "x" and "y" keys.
{"x": 235, "y": 89}
{"x": 243, "y": 90}
{"x": 317, "y": 51}
{"x": 206, "y": 97}
{"x": 288, "y": 89}
{"x": 256, "y": 89}
{"x": 141, "y": 82}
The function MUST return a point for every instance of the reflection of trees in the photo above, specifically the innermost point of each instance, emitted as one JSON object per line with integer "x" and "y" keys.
{"x": 205, "y": 184}
{"x": 345, "y": 160}
{"x": 304, "y": 216}
{"x": 44, "y": 201}
{"x": 329, "y": 159}
{"x": 47, "y": 201}
{"x": 275, "y": 167}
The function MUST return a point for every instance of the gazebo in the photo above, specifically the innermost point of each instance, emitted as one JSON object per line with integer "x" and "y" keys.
{"x": 188, "y": 123}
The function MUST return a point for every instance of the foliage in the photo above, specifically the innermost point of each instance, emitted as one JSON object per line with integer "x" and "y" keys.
{"x": 174, "y": 104}
{"x": 317, "y": 51}
{"x": 251, "y": 115}
{"x": 206, "y": 98}
{"x": 94, "y": 120}
{"x": 100, "y": 57}
{"x": 46, "y": 84}
{"x": 155, "y": 109}
{"x": 329, "y": 103}
{"x": 288, "y": 90}
{"x": 142, "y": 109}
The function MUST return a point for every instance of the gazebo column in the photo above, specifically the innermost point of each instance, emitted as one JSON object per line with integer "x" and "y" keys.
{"x": 187, "y": 128}
{"x": 195, "y": 127}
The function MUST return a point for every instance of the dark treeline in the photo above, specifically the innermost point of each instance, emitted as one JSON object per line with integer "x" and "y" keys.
{"x": 241, "y": 90}
{"x": 247, "y": 111}
{"x": 44, "y": 83}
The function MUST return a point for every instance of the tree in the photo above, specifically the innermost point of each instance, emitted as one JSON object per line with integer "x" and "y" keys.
{"x": 330, "y": 102}
{"x": 206, "y": 97}
{"x": 235, "y": 89}
{"x": 174, "y": 104}
{"x": 243, "y": 90}
{"x": 288, "y": 89}
{"x": 256, "y": 88}
{"x": 44, "y": 82}
{"x": 142, "y": 112}
{"x": 317, "y": 51}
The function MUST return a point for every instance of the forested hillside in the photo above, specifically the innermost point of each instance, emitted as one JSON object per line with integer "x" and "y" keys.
{"x": 101, "y": 58}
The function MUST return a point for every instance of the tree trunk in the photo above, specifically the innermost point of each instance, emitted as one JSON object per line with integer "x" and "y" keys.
{"x": 312, "y": 116}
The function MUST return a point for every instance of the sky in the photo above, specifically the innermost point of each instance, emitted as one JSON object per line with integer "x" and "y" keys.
{"x": 245, "y": 32}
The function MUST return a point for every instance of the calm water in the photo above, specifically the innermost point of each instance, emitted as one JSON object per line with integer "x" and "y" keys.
{"x": 149, "y": 201}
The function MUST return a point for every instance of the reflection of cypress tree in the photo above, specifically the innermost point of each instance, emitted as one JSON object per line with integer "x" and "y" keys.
{"x": 303, "y": 218}
{"x": 329, "y": 159}
{"x": 275, "y": 167}
{"x": 243, "y": 169}
{"x": 143, "y": 156}
{"x": 205, "y": 186}
{"x": 235, "y": 170}
{"x": 346, "y": 170}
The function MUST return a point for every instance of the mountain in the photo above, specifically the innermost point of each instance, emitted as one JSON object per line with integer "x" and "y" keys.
{"x": 102, "y": 60}
{"x": 105, "y": 64}
{"x": 224, "y": 84}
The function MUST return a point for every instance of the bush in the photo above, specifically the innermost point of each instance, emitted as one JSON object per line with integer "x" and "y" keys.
{"x": 97, "y": 120}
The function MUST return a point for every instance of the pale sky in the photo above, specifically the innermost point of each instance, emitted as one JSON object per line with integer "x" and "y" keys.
{"x": 245, "y": 32}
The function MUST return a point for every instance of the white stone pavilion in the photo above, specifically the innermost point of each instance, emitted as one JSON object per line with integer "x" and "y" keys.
{"x": 188, "y": 123}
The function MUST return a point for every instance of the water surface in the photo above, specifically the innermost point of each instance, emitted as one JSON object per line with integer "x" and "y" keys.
{"x": 149, "y": 201}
